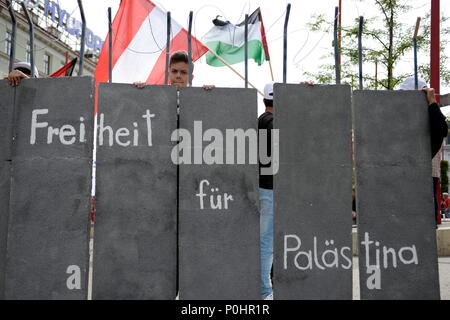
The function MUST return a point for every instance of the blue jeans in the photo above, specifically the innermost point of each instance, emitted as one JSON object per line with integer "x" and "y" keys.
{"x": 266, "y": 239}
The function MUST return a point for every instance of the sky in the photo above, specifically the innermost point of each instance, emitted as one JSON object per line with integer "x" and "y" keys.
{"x": 305, "y": 48}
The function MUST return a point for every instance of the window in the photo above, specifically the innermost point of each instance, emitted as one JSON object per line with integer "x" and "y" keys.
{"x": 8, "y": 42}
{"x": 47, "y": 64}
{"x": 28, "y": 52}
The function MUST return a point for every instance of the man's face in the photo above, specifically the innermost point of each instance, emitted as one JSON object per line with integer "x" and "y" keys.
{"x": 179, "y": 74}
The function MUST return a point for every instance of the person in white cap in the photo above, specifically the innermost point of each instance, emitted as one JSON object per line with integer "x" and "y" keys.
{"x": 265, "y": 122}
{"x": 438, "y": 130}
{"x": 21, "y": 70}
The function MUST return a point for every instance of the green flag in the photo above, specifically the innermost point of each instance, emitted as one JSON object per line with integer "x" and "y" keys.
{"x": 228, "y": 41}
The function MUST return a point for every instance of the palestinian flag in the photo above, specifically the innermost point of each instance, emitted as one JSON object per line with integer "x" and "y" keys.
{"x": 228, "y": 41}
{"x": 66, "y": 70}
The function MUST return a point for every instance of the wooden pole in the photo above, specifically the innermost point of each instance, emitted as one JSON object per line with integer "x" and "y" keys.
{"x": 234, "y": 70}
{"x": 271, "y": 71}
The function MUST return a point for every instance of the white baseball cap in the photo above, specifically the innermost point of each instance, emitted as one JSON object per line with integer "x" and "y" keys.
{"x": 268, "y": 91}
{"x": 410, "y": 84}
{"x": 26, "y": 65}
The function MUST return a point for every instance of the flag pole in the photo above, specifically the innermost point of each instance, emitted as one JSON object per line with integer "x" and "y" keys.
{"x": 169, "y": 22}
{"x": 234, "y": 70}
{"x": 416, "y": 75}
{"x": 190, "y": 48}
{"x": 110, "y": 45}
{"x": 246, "y": 51}
{"x": 266, "y": 46}
{"x": 271, "y": 71}
{"x": 286, "y": 21}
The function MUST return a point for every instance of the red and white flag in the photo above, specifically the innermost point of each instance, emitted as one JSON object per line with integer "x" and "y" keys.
{"x": 139, "y": 41}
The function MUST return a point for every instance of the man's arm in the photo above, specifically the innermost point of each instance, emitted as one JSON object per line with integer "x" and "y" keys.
{"x": 15, "y": 77}
{"x": 438, "y": 125}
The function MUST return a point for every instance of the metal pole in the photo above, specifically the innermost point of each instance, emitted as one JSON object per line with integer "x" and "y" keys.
{"x": 110, "y": 45}
{"x": 340, "y": 29}
{"x": 416, "y": 73}
{"x": 336, "y": 47}
{"x": 12, "y": 52}
{"x": 288, "y": 11}
{"x": 246, "y": 51}
{"x": 190, "y": 48}
{"x": 83, "y": 37}
{"x": 360, "y": 49}
{"x": 376, "y": 74}
{"x": 31, "y": 28}
{"x": 169, "y": 22}
{"x": 435, "y": 47}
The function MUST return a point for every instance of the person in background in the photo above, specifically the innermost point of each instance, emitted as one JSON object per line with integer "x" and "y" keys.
{"x": 178, "y": 71}
{"x": 21, "y": 70}
{"x": 265, "y": 122}
{"x": 438, "y": 131}
{"x": 446, "y": 205}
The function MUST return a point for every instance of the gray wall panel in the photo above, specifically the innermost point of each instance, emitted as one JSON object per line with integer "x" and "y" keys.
{"x": 219, "y": 249}
{"x": 47, "y": 254}
{"x": 135, "y": 225}
{"x": 5, "y": 184}
{"x": 6, "y": 119}
{"x": 394, "y": 196}
{"x": 312, "y": 193}
{"x": 6, "y": 127}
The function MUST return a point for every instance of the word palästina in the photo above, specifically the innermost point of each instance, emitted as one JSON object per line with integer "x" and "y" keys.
{"x": 405, "y": 255}
{"x": 307, "y": 259}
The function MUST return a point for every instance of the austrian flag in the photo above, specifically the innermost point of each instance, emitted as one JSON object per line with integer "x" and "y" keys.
{"x": 139, "y": 38}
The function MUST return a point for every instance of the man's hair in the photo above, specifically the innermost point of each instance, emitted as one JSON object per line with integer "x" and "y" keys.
{"x": 179, "y": 56}
{"x": 24, "y": 70}
{"x": 268, "y": 103}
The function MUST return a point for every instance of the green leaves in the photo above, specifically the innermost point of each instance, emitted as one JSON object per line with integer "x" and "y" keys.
{"x": 387, "y": 40}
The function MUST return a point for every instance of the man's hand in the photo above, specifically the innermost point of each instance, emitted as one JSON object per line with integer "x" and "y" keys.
{"x": 208, "y": 87}
{"x": 431, "y": 96}
{"x": 139, "y": 85}
{"x": 15, "y": 77}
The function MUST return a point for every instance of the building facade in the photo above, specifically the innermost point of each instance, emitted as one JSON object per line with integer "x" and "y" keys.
{"x": 54, "y": 43}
